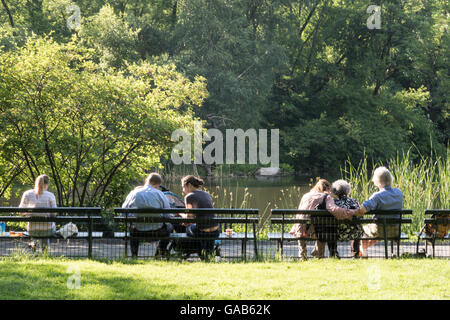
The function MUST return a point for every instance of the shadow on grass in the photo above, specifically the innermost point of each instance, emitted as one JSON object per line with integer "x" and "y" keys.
{"x": 29, "y": 279}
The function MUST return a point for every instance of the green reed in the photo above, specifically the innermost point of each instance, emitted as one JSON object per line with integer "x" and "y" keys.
{"x": 425, "y": 183}
{"x": 222, "y": 198}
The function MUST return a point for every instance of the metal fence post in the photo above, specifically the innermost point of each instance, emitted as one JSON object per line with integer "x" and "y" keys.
{"x": 385, "y": 238}
{"x": 90, "y": 227}
{"x": 245, "y": 241}
{"x": 282, "y": 234}
{"x": 255, "y": 241}
{"x": 126, "y": 235}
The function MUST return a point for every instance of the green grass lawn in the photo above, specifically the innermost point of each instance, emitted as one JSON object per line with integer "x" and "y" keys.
{"x": 40, "y": 278}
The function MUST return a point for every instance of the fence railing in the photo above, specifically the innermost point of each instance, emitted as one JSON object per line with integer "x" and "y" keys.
{"x": 328, "y": 225}
{"x": 126, "y": 233}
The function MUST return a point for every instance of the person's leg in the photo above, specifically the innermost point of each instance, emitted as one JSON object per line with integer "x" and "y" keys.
{"x": 319, "y": 249}
{"x": 332, "y": 248}
{"x": 192, "y": 232}
{"x": 40, "y": 237}
{"x": 368, "y": 243}
{"x": 208, "y": 243}
{"x": 302, "y": 250}
{"x": 164, "y": 232}
{"x": 372, "y": 231}
{"x": 332, "y": 239}
{"x": 179, "y": 228}
{"x": 354, "y": 247}
{"x": 134, "y": 241}
{"x": 315, "y": 251}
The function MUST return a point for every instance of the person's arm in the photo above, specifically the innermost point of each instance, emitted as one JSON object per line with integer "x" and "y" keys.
{"x": 166, "y": 205}
{"x": 187, "y": 215}
{"x": 129, "y": 203}
{"x": 368, "y": 205}
{"x": 360, "y": 211}
{"x": 190, "y": 204}
{"x": 23, "y": 204}
{"x": 338, "y": 212}
{"x": 53, "y": 204}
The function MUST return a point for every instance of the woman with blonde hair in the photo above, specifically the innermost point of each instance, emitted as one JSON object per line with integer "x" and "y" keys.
{"x": 39, "y": 197}
{"x": 317, "y": 197}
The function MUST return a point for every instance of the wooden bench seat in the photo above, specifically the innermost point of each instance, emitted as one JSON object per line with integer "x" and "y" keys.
{"x": 433, "y": 217}
{"x": 284, "y": 217}
{"x": 224, "y": 216}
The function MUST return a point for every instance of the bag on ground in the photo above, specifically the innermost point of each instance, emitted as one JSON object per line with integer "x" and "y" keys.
{"x": 68, "y": 230}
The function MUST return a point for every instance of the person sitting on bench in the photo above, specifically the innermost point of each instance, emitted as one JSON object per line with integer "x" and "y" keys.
{"x": 39, "y": 197}
{"x": 387, "y": 198}
{"x": 196, "y": 198}
{"x": 148, "y": 196}
{"x": 341, "y": 189}
{"x": 317, "y": 198}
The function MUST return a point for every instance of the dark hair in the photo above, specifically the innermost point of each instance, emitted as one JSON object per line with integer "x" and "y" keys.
{"x": 194, "y": 181}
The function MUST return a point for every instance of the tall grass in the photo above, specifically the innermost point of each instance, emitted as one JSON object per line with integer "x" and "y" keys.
{"x": 425, "y": 184}
{"x": 222, "y": 198}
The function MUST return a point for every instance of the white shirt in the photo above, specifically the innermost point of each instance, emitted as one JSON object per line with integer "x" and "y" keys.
{"x": 45, "y": 200}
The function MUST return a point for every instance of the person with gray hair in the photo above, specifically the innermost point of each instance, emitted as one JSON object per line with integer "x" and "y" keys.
{"x": 387, "y": 198}
{"x": 341, "y": 190}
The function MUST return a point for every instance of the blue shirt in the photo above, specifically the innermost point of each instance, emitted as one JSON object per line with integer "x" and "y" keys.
{"x": 147, "y": 197}
{"x": 387, "y": 198}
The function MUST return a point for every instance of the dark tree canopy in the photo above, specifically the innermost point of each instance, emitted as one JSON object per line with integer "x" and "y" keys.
{"x": 335, "y": 88}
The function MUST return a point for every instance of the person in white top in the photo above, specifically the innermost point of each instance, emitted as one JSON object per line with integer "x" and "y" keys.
{"x": 39, "y": 197}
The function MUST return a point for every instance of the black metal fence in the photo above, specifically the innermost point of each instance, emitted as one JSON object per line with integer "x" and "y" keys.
{"x": 216, "y": 234}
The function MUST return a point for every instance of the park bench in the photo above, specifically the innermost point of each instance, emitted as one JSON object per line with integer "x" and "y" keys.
{"x": 80, "y": 216}
{"x": 322, "y": 217}
{"x": 433, "y": 218}
{"x": 244, "y": 217}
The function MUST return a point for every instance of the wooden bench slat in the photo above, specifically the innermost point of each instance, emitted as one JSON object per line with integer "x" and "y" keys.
{"x": 95, "y": 234}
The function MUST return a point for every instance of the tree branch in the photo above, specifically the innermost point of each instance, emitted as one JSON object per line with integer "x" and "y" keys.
{"x": 11, "y": 21}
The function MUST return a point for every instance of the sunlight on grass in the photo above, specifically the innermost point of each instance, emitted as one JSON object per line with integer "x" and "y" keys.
{"x": 330, "y": 279}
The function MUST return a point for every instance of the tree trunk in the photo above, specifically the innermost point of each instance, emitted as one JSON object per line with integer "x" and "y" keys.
{"x": 11, "y": 21}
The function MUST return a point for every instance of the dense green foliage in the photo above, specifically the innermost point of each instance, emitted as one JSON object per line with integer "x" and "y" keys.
{"x": 336, "y": 89}
{"x": 93, "y": 131}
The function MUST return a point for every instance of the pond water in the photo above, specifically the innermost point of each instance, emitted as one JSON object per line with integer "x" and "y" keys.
{"x": 251, "y": 192}
{"x": 234, "y": 192}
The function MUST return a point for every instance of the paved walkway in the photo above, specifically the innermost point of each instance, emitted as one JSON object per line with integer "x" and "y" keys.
{"x": 230, "y": 249}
